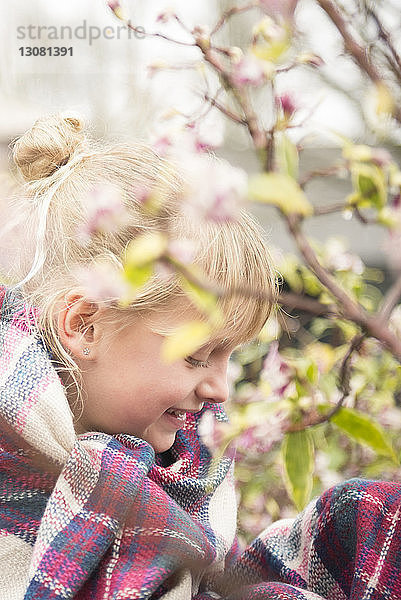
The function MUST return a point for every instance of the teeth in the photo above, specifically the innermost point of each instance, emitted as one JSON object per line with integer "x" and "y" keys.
{"x": 180, "y": 414}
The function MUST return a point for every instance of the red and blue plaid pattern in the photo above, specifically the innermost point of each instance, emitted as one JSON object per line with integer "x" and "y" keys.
{"x": 101, "y": 517}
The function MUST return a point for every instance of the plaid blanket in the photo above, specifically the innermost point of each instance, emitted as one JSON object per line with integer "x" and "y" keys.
{"x": 96, "y": 516}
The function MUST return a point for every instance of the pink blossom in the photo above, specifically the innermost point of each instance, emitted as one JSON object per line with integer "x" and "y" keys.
{"x": 113, "y": 4}
{"x": 276, "y": 373}
{"x": 102, "y": 282}
{"x": 141, "y": 192}
{"x": 381, "y": 157}
{"x": 205, "y": 137}
{"x": 338, "y": 259}
{"x": 212, "y": 432}
{"x": 260, "y": 438}
{"x": 216, "y": 189}
{"x": 105, "y": 212}
{"x": 183, "y": 250}
{"x": 165, "y": 16}
{"x": 282, "y": 8}
{"x": 396, "y": 201}
{"x": 287, "y": 104}
{"x": 248, "y": 71}
{"x": 162, "y": 145}
{"x": 164, "y": 270}
{"x": 390, "y": 416}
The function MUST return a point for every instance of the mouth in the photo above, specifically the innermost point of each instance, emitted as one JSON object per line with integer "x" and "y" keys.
{"x": 178, "y": 416}
{"x": 178, "y": 413}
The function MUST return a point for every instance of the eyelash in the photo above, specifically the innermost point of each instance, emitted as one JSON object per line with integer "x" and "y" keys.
{"x": 197, "y": 363}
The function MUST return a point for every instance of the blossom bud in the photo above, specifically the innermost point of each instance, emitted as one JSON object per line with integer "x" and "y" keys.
{"x": 309, "y": 58}
{"x": 116, "y": 7}
{"x": 248, "y": 71}
{"x": 287, "y": 104}
{"x": 162, "y": 145}
{"x": 381, "y": 157}
{"x": 165, "y": 16}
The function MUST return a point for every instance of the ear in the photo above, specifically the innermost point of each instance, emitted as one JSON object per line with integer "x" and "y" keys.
{"x": 78, "y": 326}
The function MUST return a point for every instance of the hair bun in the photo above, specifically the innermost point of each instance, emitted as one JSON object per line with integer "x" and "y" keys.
{"x": 48, "y": 145}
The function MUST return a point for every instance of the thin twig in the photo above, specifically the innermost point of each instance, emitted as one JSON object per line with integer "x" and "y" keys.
{"x": 373, "y": 324}
{"x": 315, "y": 418}
{"x": 390, "y": 300}
{"x": 361, "y": 217}
{"x": 257, "y": 133}
{"x": 328, "y": 172}
{"x": 182, "y": 24}
{"x": 158, "y": 35}
{"x": 228, "y": 113}
{"x": 357, "y": 51}
{"x": 386, "y": 37}
{"x": 349, "y": 307}
{"x": 230, "y": 13}
{"x": 328, "y": 210}
{"x": 300, "y": 302}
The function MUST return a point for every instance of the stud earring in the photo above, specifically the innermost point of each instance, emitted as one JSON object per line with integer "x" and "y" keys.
{"x": 86, "y": 351}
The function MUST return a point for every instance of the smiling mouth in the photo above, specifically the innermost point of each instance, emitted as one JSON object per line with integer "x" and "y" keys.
{"x": 177, "y": 413}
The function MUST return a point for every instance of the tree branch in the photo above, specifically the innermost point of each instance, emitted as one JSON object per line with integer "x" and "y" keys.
{"x": 349, "y": 308}
{"x": 390, "y": 300}
{"x": 257, "y": 133}
{"x": 371, "y": 324}
{"x": 328, "y": 172}
{"x": 357, "y": 51}
{"x": 235, "y": 10}
{"x": 228, "y": 113}
{"x": 327, "y": 210}
{"x": 315, "y": 418}
{"x": 386, "y": 37}
{"x": 296, "y": 301}
{"x": 158, "y": 35}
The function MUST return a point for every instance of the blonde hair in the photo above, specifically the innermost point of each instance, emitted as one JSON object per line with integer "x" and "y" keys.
{"x": 61, "y": 166}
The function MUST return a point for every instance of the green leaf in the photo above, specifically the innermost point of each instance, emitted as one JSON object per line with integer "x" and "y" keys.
{"x": 370, "y": 185}
{"x": 141, "y": 254}
{"x": 138, "y": 276}
{"x": 287, "y": 155}
{"x": 279, "y": 190}
{"x": 146, "y": 248}
{"x": 185, "y": 339}
{"x": 312, "y": 373}
{"x": 298, "y": 457}
{"x": 362, "y": 429}
{"x": 203, "y": 299}
{"x": 289, "y": 269}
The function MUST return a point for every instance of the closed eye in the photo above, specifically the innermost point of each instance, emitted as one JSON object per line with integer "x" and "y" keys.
{"x": 197, "y": 363}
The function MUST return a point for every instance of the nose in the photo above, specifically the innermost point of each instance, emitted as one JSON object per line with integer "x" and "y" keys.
{"x": 213, "y": 387}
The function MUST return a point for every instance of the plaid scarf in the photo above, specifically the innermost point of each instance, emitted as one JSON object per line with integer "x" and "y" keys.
{"x": 101, "y": 517}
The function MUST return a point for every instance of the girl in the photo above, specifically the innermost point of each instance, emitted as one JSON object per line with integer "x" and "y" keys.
{"x": 106, "y": 489}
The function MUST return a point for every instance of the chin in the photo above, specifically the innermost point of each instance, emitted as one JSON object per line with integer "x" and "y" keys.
{"x": 160, "y": 446}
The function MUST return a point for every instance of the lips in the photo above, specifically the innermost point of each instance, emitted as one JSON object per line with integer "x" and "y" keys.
{"x": 178, "y": 413}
